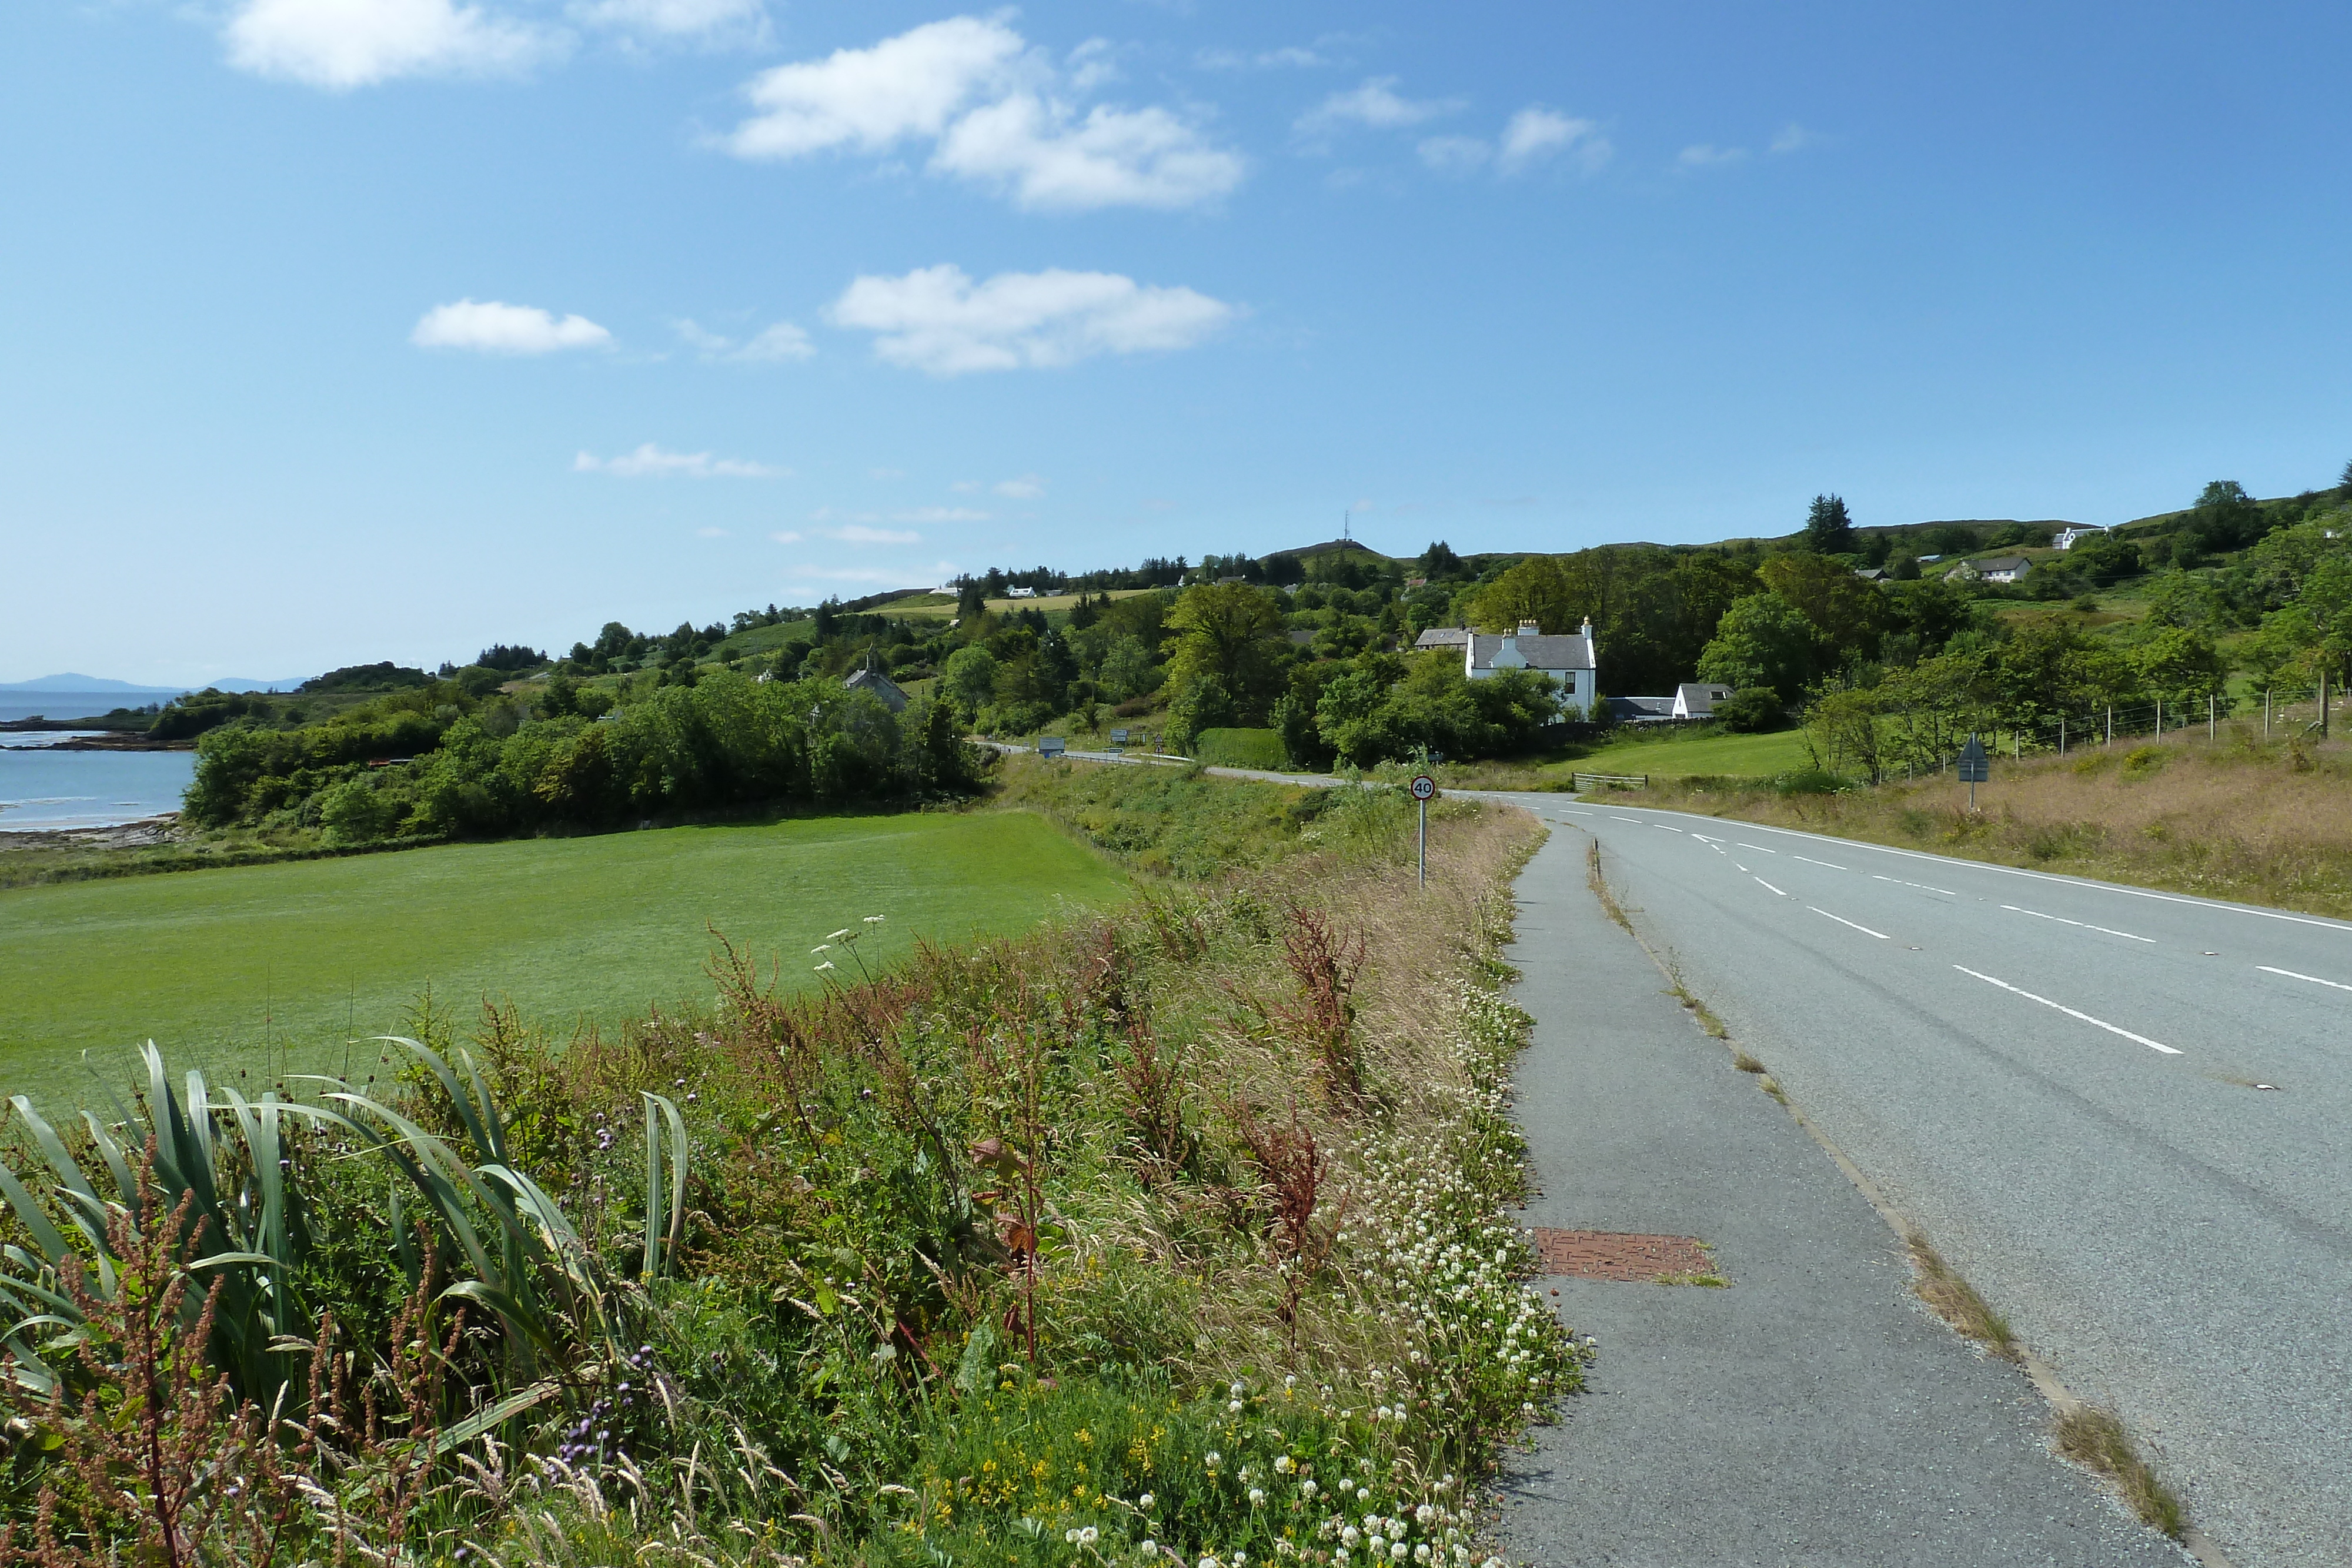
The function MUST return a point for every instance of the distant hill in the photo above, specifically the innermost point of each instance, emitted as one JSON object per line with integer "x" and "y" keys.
{"x": 88, "y": 683}
{"x": 1332, "y": 546}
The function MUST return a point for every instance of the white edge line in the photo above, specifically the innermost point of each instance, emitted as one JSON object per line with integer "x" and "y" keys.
{"x": 1841, "y": 920}
{"x": 2083, "y": 881}
{"x": 2070, "y": 1013}
{"x": 2315, "y": 979}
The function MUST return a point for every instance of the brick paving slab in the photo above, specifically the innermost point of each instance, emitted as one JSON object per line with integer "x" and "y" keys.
{"x": 1619, "y": 1255}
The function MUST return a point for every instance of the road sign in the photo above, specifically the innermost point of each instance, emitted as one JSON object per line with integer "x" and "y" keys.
{"x": 1119, "y": 736}
{"x": 1975, "y": 767}
{"x": 1422, "y": 788}
{"x": 1051, "y": 746}
{"x": 1425, "y": 788}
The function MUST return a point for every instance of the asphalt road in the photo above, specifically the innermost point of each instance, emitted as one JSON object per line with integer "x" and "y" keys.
{"x": 2126, "y": 1116}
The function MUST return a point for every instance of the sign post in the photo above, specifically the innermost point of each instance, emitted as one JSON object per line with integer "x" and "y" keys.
{"x": 1424, "y": 786}
{"x": 1975, "y": 767}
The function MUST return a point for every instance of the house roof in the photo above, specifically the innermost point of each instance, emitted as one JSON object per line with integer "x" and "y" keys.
{"x": 881, "y": 686}
{"x": 1442, "y": 637}
{"x": 1697, "y": 694}
{"x": 1566, "y": 651}
{"x": 2003, "y": 563}
{"x": 1654, "y": 707}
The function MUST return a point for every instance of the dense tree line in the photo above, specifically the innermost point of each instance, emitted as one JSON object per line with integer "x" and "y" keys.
{"x": 413, "y": 765}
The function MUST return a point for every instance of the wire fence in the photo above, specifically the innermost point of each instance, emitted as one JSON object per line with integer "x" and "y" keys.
{"x": 2280, "y": 712}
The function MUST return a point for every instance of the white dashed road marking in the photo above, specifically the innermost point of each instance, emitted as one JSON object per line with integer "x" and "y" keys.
{"x": 2315, "y": 979}
{"x": 1841, "y": 920}
{"x": 1810, "y": 861}
{"x": 1766, "y": 885}
{"x": 1922, "y": 886}
{"x": 2070, "y": 1013}
{"x": 2086, "y": 925}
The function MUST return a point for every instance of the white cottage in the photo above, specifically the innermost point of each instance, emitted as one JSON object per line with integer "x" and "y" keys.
{"x": 1566, "y": 657}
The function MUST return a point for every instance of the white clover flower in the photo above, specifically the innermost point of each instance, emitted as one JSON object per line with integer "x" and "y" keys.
{"x": 1363, "y": 1494}
{"x": 1283, "y": 1464}
{"x": 1240, "y": 1558}
{"x": 1307, "y": 1488}
{"x": 1257, "y": 1497}
{"x": 1214, "y": 1459}
{"x": 1144, "y": 1501}
{"x": 1233, "y": 1406}
{"x": 1425, "y": 1513}
{"x": 1070, "y": 1537}
{"x": 1396, "y": 1551}
{"x": 1421, "y": 1553}
{"x": 1209, "y": 1563}
{"x": 1088, "y": 1535}
{"x": 1352, "y": 1535}
{"x": 1375, "y": 1543}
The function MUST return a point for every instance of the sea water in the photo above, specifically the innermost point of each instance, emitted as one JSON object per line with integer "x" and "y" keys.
{"x": 42, "y": 788}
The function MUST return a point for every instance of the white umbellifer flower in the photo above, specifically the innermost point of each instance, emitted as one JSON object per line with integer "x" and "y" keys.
{"x": 875, "y": 919}
{"x": 821, "y": 969}
{"x": 822, "y": 948}
{"x": 837, "y": 936}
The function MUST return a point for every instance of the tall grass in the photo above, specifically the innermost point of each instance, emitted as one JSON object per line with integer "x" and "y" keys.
{"x": 1174, "y": 1230}
{"x": 2264, "y": 822}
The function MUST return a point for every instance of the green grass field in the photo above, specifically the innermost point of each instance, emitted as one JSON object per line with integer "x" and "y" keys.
{"x": 274, "y": 967}
{"x": 1703, "y": 752}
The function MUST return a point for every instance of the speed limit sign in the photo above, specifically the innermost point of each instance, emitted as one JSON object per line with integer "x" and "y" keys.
{"x": 1425, "y": 788}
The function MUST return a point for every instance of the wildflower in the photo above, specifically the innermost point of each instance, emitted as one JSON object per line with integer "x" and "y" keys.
{"x": 1425, "y": 1513}
{"x": 1149, "y": 1548}
{"x": 1352, "y": 1535}
{"x": 1256, "y": 1496}
{"x": 837, "y": 936}
{"x": 1307, "y": 1488}
{"x": 1214, "y": 1458}
{"x": 1421, "y": 1553}
{"x": 822, "y": 948}
{"x": 821, "y": 969}
{"x": 1233, "y": 1406}
{"x": 1396, "y": 1551}
{"x": 1144, "y": 1501}
{"x": 875, "y": 919}
{"x": 1283, "y": 1464}
{"x": 1088, "y": 1535}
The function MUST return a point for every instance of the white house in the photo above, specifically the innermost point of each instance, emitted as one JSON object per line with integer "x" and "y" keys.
{"x": 2074, "y": 534}
{"x": 1697, "y": 699}
{"x": 1997, "y": 568}
{"x": 1020, "y": 593}
{"x": 1566, "y": 657}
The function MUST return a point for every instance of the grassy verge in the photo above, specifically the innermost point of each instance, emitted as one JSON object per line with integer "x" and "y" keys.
{"x": 260, "y": 968}
{"x": 1167, "y": 1234}
{"x": 1175, "y": 822}
{"x": 2260, "y": 822}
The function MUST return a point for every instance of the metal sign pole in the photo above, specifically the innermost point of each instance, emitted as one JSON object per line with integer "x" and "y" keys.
{"x": 1424, "y": 786}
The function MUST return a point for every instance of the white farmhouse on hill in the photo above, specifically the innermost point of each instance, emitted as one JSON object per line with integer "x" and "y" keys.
{"x": 1566, "y": 657}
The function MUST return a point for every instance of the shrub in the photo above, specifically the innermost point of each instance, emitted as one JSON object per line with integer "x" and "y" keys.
{"x": 1260, "y": 749}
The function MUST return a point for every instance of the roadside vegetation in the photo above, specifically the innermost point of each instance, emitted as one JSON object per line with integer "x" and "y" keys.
{"x": 1167, "y": 1234}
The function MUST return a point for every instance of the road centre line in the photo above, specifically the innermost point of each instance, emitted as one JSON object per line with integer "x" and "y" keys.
{"x": 2086, "y": 925}
{"x": 1922, "y": 886}
{"x": 2315, "y": 979}
{"x": 1759, "y": 848}
{"x": 1810, "y": 861}
{"x": 1663, "y": 825}
{"x": 1635, "y": 820}
{"x": 2070, "y": 1013}
{"x": 1765, "y": 885}
{"x": 1841, "y": 920}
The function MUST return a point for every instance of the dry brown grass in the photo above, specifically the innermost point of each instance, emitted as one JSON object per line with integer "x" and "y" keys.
{"x": 1956, "y": 1301}
{"x": 2240, "y": 817}
{"x": 2095, "y": 1437}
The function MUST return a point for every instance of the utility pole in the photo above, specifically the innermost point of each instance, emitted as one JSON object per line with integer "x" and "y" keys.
{"x": 2322, "y": 702}
{"x": 2110, "y": 745}
{"x": 2266, "y": 713}
{"x": 2208, "y": 719}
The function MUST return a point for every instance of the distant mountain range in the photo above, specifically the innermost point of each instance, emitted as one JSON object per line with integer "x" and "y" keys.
{"x": 100, "y": 684}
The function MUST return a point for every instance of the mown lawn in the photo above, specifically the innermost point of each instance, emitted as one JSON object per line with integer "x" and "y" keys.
{"x": 274, "y": 967}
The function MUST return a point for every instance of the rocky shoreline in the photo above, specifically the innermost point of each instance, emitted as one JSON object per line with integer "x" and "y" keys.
{"x": 145, "y": 833}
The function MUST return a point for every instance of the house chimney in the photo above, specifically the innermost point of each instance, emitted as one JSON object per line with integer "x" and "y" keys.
{"x": 1527, "y": 628}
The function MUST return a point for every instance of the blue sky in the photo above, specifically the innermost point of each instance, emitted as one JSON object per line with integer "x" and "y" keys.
{"x": 345, "y": 330}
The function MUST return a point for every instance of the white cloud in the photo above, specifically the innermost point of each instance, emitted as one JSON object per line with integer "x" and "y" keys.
{"x": 936, "y": 320}
{"x": 772, "y": 345}
{"x": 712, "y": 533}
{"x": 1375, "y": 104}
{"x": 1706, "y": 155}
{"x": 1536, "y": 133}
{"x": 850, "y": 521}
{"x": 1455, "y": 155}
{"x": 1048, "y": 160}
{"x": 346, "y": 44}
{"x": 874, "y": 99}
{"x": 859, "y": 534}
{"x": 1792, "y": 138}
{"x": 492, "y": 327}
{"x": 942, "y": 515}
{"x": 651, "y": 462}
{"x": 1027, "y": 487}
{"x": 968, "y": 486}
{"x": 999, "y": 114}
{"x": 785, "y": 537}
{"x": 1290, "y": 56}
{"x": 709, "y": 22}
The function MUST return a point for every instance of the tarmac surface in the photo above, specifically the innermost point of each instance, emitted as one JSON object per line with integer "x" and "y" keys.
{"x": 2121, "y": 1114}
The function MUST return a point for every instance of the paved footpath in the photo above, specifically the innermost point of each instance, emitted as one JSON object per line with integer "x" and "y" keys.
{"x": 1812, "y": 1414}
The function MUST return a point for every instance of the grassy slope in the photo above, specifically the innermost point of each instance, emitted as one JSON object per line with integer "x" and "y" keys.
{"x": 323, "y": 950}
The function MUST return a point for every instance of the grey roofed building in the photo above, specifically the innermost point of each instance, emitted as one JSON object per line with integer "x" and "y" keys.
{"x": 1697, "y": 699}
{"x": 1995, "y": 569}
{"x": 872, "y": 681}
{"x": 1639, "y": 710}
{"x": 1566, "y": 657}
{"x": 1441, "y": 637}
